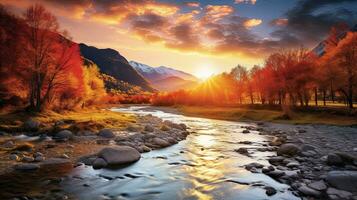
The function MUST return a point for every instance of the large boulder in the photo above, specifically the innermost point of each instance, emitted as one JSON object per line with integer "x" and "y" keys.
{"x": 288, "y": 149}
{"x": 106, "y": 133}
{"x": 31, "y": 125}
{"x": 119, "y": 155}
{"x": 343, "y": 180}
{"x": 64, "y": 135}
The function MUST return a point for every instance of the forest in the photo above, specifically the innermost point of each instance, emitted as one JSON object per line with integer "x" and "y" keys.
{"x": 288, "y": 77}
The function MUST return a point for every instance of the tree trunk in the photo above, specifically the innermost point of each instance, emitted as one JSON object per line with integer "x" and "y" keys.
{"x": 332, "y": 93}
{"x": 324, "y": 96}
{"x": 316, "y": 96}
{"x": 350, "y": 92}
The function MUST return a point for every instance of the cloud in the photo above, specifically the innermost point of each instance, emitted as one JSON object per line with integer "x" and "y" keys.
{"x": 252, "y": 22}
{"x": 246, "y": 1}
{"x": 214, "y": 29}
{"x": 214, "y": 13}
{"x": 193, "y": 4}
{"x": 308, "y": 23}
{"x": 279, "y": 22}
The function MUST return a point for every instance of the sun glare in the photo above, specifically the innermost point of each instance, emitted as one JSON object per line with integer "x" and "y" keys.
{"x": 204, "y": 73}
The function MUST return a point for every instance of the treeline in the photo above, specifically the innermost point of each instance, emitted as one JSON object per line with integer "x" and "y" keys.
{"x": 289, "y": 77}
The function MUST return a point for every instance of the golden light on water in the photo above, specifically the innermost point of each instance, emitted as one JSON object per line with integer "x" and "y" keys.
{"x": 205, "y": 140}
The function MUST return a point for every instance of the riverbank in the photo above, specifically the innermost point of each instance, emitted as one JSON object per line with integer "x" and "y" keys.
{"x": 317, "y": 161}
{"x": 29, "y": 141}
{"x": 234, "y": 113}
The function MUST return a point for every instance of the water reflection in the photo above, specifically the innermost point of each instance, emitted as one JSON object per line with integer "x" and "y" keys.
{"x": 203, "y": 167}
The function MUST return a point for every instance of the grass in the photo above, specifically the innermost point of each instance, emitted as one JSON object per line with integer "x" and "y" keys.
{"x": 271, "y": 115}
{"x": 89, "y": 119}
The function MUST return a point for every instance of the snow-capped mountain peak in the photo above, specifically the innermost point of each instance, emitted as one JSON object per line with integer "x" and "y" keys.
{"x": 161, "y": 72}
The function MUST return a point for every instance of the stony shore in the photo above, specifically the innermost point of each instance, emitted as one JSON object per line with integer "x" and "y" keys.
{"x": 318, "y": 162}
{"x": 107, "y": 147}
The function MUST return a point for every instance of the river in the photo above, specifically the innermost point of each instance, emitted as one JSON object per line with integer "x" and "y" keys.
{"x": 204, "y": 166}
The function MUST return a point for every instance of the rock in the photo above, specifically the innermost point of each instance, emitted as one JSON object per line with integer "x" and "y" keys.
{"x": 28, "y": 159}
{"x": 275, "y": 173}
{"x": 309, "y": 191}
{"x": 334, "y": 159}
{"x": 344, "y": 180}
{"x": 26, "y": 167}
{"x": 245, "y": 131}
{"x": 149, "y": 128}
{"x": 318, "y": 185}
{"x": 24, "y": 147}
{"x": 99, "y": 163}
{"x": 253, "y": 165}
{"x": 14, "y": 157}
{"x": 106, "y": 133}
{"x": 288, "y": 149}
{"x": 119, "y": 155}
{"x": 165, "y": 128}
{"x": 37, "y": 154}
{"x": 267, "y": 169}
{"x": 88, "y": 159}
{"x": 64, "y": 135}
{"x": 334, "y": 193}
{"x": 269, "y": 190}
{"x": 183, "y": 126}
{"x": 160, "y": 142}
{"x": 245, "y": 142}
{"x": 293, "y": 164}
{"x": 9, "y": 145}
{"x": 39, "y": 158}
{"x": 307, "y": 147}
{"x": 276, "y": 141}
{"x": 347, "y": 158}
{"x": 133, "y": 128}
{"x": 301, "y": 131}
{"x": 242, "y": 150}
{"x": 276, "y": 160}
{"x": 31, "y": 125}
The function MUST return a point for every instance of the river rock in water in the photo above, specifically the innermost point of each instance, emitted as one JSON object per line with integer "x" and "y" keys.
{"x": 344, "y": 180}
{"x": 119, "y": 155}
{"x": 288, "y": 149}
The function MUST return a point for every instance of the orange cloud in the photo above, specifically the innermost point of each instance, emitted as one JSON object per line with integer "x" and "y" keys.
{"x": 246, "y": 1}
{"x": 252, "y": 22}
{"x": 193, "y": 4}
{"x": 217, "y": 12}
{"x": 280, "y": 22}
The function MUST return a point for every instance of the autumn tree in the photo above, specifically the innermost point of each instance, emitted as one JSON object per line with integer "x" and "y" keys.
{"x": 52, "y": 60}
{"x": 344, "y": 57}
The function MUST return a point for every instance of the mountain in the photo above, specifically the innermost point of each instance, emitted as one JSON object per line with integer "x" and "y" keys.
{"x": 110, "y": 62}
{"x": 158, "y": 73}
{"x": 173, "y": 83}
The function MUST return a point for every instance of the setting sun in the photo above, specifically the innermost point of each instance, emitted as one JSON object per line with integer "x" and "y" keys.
{"x": 204, "y": 73}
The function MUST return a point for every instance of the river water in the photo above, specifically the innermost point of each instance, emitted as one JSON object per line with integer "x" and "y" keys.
{"x": 204, "y": 166}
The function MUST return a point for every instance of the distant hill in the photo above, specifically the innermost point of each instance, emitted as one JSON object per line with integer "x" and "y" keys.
{"x": 159, "y": 73}
{"x": 111, "y": 63}
{"x": 114, "y": 85}
{"x": 173, "y": 83}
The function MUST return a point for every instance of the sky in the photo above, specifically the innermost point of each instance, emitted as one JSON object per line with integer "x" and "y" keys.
{"x": 199, "y": 37}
